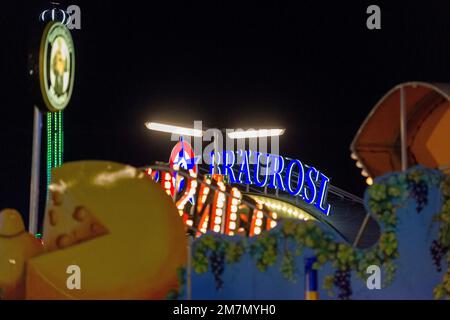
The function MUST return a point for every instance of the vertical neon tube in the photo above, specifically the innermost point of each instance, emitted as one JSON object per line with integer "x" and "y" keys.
{"x": 49, "y": 149}
{"x": 61, "y": 136}
{"x": 59, "y": 131}
{"x": 55, "y": 140}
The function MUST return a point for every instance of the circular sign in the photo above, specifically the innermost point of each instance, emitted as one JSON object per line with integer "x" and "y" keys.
{"x": 183, "y": 157}
{"x": 56, "y": 66}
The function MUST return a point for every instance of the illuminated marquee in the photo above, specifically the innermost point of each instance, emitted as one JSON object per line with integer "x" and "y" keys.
{"x": 212, "y": 203}
{"x": 309, "y": 184}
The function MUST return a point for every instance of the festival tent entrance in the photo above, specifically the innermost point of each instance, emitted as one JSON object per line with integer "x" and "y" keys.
{"x": 377, "y": 145}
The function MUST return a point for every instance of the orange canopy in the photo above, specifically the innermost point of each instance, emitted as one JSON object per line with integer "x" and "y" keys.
{"x": 377, "y": 144}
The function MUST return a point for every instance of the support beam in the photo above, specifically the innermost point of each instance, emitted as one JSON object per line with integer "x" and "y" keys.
{"x": 35, "y": 168}
{"x": 403, "y": 129}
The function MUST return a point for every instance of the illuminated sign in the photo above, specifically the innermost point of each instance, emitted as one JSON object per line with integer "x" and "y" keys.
{"x": 182, "y": 157}
{"x": 276, "y": 172}
{"x": 56, "y": 66}
{"x": 212, "y": 203}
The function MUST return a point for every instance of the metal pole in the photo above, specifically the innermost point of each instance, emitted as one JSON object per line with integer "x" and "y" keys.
{"x": 361, "y": 230}
{"x": 35, "y": 168}
{"x": 190, "y": 235}
{"x": 175, "y": 191}
{"x": 216, "y": 149}
{"x": 403, "y": 129}
{"x": 189, "y": 267}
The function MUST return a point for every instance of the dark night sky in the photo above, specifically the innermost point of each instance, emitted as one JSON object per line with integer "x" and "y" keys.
{"x": 311, "y": 67}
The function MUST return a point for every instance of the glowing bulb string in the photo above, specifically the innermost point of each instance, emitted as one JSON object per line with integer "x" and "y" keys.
{"x": 200, "y": 181}
{"x": 61, "y": 138}
{"x": 49, "y": 150}
{"x": 252, "y": 204}
{"x": 55, "y": 142}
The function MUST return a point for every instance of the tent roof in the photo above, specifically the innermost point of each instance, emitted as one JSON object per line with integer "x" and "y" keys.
{"x": 377, "y": 142}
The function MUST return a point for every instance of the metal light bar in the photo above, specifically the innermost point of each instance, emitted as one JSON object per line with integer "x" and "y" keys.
{"x": 174, "y": 129}
{"x": 255, "y": 133}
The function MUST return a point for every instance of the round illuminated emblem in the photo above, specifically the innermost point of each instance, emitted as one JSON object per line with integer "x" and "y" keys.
{"x": 183, "y": 157}
{"x": 56, "y": 66}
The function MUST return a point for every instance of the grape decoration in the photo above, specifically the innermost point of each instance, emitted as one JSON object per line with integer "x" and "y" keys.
{"x": 437, "y": 251}
{"x": 419, "y": 192}
{"x": 342, "y": 282}
{"x": 217, "y": 261}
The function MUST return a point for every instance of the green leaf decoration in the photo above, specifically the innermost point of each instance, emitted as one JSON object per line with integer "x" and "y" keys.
{"x": 385, "y": 197}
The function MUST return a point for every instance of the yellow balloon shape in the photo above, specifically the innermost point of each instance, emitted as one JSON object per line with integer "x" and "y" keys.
{"x": 116, "y": 227}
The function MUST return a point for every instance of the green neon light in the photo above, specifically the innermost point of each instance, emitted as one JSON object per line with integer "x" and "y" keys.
{"x": 55, "y": 141}
{"x": 58, "y": 139}
{"x": 61, "y": 136}
{"x": 49, "y": 149}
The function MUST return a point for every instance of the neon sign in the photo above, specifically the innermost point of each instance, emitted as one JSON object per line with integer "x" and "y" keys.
{"x": 292, "y": 176}
{"x": 214, "y": 204}
{"x": 182, "y": 156}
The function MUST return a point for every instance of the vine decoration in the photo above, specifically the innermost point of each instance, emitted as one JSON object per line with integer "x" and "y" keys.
{"x": 177, "y": 293}
{"x": 440, "y": 246}
{"x": 213, "y": 251}
{"x": 282, "y": 244}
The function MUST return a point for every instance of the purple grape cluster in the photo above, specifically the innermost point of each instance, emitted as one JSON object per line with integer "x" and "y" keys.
{"x": 437, "y": 251}
{"x": 419, "y": 191}
{"x": 217, "y": 261}
{"x": 342, "y": 282}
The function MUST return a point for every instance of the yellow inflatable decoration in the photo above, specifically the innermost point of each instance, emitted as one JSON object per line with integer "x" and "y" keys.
{"x": 16, "y": 247}
{"x": 114, "y": 223}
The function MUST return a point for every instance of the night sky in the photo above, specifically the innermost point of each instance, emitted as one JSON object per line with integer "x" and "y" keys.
{"x": 311, "y": 67}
